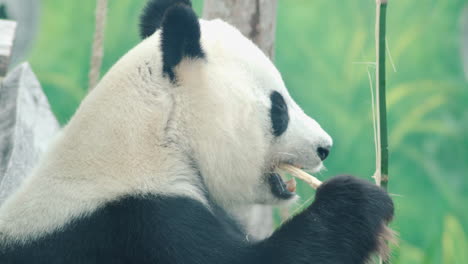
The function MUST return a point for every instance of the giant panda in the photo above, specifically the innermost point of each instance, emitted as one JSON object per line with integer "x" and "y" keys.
{"x": 186, "y": 128}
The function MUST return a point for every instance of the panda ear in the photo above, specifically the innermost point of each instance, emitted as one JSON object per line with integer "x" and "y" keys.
{"x": 153, "y": 13}
{"x": 180, "y": 37}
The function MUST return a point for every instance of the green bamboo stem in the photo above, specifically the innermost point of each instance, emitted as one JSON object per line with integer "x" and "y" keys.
{"x": 381, "y": 105}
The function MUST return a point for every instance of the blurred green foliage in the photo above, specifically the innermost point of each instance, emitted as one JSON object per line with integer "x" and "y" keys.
{"x": 323, "y": 51}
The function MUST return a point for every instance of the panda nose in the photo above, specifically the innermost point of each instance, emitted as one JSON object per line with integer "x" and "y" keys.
{"x": 323, "y": 152}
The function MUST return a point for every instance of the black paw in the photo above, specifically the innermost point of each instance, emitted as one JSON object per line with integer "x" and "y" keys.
{"x": 356, "y": 212}
{"x": 345, "y": 224}
{"x": 351, "y": 196}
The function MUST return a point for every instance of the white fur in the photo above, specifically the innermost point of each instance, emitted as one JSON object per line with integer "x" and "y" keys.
{"x": 138, "y": 133}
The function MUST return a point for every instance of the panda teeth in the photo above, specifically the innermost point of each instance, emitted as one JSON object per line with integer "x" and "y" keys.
{"x": 291, "y": 185}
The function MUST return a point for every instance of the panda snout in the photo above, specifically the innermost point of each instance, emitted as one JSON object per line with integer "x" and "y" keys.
{"x": 323, "y": 152}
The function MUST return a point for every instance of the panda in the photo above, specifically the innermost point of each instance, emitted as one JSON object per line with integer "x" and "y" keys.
{"x": 183, "y": 131}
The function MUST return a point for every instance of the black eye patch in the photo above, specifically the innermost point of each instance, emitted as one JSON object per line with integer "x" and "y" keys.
{"x": 279, "y": 114}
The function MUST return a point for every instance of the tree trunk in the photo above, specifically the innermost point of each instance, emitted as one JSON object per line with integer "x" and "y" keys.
{"x": 256, "y": 19}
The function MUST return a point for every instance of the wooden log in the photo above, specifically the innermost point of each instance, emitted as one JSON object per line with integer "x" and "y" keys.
{"x": 27, "y": 125}
{"x": 256, "y": 19}
{"x": 7, "y": 36}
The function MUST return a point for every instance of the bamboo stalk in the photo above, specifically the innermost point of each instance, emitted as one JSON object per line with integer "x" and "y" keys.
{"x": 381, "y": 106}
{"x": 381, "y": 175}
{"x": 381, "y": 15}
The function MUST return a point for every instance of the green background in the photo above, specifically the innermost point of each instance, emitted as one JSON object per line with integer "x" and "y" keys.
{"x": 323, "y": 49}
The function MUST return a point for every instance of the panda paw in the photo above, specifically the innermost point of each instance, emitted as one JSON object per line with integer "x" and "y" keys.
{"x": 358, "y": 211}
{"x": 351, "y": 194}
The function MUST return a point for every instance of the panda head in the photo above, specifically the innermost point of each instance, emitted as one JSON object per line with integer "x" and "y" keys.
{"x": 229, "y": 111}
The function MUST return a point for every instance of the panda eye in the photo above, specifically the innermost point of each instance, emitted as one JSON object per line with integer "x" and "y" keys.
{"x": 279, "y": 114}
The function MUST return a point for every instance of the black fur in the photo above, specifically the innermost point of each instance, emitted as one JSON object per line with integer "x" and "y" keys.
{"x": 180, "y": 38}
{"x": 153, "y": 13}
{"x": 279, "y": 114}
{"x": 3, "y": 12}
{"x": 341, "y": 226}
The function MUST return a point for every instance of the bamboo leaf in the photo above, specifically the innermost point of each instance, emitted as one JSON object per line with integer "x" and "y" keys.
{"x": 418, "y": 88}
{"x": 415, "y": 116}
{"x": 454, "y": 242}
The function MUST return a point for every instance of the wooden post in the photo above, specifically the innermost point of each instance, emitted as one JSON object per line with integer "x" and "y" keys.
{"x": 7, "y": 36}
{"x": 256, "y": 19}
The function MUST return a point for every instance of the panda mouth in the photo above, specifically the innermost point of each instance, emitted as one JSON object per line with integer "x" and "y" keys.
{"x": 282, "y": 189}
{"x": 287, "y": 189}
